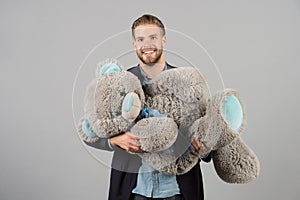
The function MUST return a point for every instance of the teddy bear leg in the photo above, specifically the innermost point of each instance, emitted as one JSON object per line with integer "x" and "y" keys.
{"x": 225, "y": 117}
{"x": 236, "y": 162}
{"x": 156, "y": 134}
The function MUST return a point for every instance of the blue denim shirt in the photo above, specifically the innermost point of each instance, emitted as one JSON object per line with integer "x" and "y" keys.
{"x": 150, "y": 182}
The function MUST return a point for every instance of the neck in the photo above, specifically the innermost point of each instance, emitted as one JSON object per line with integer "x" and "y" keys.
{"x": 153, "y": 70}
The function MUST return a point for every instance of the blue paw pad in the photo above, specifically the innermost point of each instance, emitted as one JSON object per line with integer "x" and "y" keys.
{"x": 87, "y": 129}
{"x": 233, "y": 112}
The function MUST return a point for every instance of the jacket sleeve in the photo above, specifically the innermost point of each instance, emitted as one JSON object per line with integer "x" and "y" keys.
{"x": 102, "y": 143}
{"x": 208, "y": 157}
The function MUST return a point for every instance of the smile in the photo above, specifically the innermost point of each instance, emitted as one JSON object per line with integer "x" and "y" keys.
{"x": 148, "y": 51}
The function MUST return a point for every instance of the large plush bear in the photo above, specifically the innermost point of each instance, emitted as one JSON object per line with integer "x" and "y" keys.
{"x": 177, "y": 107}
{"x": 112, "y": 103}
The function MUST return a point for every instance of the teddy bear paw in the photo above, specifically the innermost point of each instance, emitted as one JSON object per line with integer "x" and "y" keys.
{"x": 160, "y": 135}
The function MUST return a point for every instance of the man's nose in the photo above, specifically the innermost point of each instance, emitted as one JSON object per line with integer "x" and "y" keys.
{"x": 147, "y": 43}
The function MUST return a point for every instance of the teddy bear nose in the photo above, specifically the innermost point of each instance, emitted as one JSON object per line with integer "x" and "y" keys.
{"x": 109, "y": 68}
{"x": 131, "y": 106}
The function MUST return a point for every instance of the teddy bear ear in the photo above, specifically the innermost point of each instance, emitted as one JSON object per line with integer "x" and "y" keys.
{"x": 108, "y": 66}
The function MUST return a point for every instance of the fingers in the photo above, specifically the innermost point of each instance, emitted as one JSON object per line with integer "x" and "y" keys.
{"x": 196, "y": 143}
{"x": 196, "y": 149}
{"x": 196, "y": 146}
{"x": 133, "y": 137}
{"x": 127, "y": 141}
{"x": 205, "y": 147}
{"x": 133, "y": 147}
{"x": 199, "y": 148}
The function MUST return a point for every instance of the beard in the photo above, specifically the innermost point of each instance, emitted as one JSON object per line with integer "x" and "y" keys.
{"x": 149, "y": 59}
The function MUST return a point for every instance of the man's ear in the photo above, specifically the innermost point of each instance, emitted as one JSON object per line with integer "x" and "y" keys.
{"x": 164, "y": 40}
{"x": 134, "y": 43}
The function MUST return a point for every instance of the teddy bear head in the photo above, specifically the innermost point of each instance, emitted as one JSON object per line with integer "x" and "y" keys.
{"x": 179, "y": 93}
{"x": 112, "y": 102}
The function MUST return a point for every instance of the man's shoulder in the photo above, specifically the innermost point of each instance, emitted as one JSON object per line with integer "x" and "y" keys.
{"x": 133, "y": 68}
{"x": 170, "y": 66}
{"x": 136, "y": 71}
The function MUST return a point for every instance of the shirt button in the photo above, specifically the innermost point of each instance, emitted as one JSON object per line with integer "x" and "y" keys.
{"x": 153, "y": 173}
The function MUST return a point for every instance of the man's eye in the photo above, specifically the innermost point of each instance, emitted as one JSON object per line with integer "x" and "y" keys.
{"x": 140, "y": 40}
{"x": 153, "y": 38}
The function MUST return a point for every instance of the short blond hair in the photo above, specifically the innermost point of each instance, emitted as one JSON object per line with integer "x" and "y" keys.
{"x": 148, "y": 19}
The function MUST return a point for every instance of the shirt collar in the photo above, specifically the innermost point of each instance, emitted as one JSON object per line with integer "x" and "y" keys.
{"x": 147, "y": 79}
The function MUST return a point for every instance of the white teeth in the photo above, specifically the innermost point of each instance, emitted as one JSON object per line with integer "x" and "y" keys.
{"x": 148, "y": 52}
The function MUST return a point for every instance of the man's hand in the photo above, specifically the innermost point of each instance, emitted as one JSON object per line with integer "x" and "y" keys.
{"x": 126, "y": 141}
{"x": 199, "y": 147}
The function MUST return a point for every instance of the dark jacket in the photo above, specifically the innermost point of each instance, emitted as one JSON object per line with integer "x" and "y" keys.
{"x": 125, "y": 168}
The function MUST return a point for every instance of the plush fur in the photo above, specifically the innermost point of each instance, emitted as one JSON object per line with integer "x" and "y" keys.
{"x": 88, "y": 108}
{"x": 104, "y": 98}
{"x": 180, "y": 96}
{"x": 236, "y": 162}
{"x": 103, "y": 107}
{"x": 163, "y": 133}
{"x": 107, "y": 120}
{"x": 179, "y": 93}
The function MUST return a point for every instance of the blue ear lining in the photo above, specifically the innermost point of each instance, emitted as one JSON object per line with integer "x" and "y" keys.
{"x": 109, "y": 68}
{"x": 233, "y": 112}
{"x": 87, "y": 129}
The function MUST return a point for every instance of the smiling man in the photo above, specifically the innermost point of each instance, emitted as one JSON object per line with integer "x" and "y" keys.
{"x": 149, "y": 41}
{"x": 131, "y": 178}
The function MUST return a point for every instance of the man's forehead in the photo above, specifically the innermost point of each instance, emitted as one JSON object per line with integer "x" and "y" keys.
{"x": 146, "y": 30}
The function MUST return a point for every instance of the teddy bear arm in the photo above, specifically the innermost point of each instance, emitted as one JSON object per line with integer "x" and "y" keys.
{"x": 85, "y": 131}
{"x": 155, "y": 133}
{"x": 92, "y": 129}
{"x": 108, "y": 127}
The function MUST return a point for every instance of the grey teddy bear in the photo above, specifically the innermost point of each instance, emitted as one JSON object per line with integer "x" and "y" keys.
{"x": 113, "y": 101}
{"x": 179, "y": 108}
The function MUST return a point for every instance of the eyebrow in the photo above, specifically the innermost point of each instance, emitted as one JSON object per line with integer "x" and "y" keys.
{"x": 141, "y": 37}
{"x": 153, "y": 35}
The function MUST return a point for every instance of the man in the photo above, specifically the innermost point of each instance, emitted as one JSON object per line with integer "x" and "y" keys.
{"x": 129, "y": 179}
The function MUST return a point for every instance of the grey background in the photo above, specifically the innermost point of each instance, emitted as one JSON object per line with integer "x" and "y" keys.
{"x": 42, "y": 44}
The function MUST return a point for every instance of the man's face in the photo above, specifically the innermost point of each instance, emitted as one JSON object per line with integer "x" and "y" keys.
{"x": 149, "y": 43}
